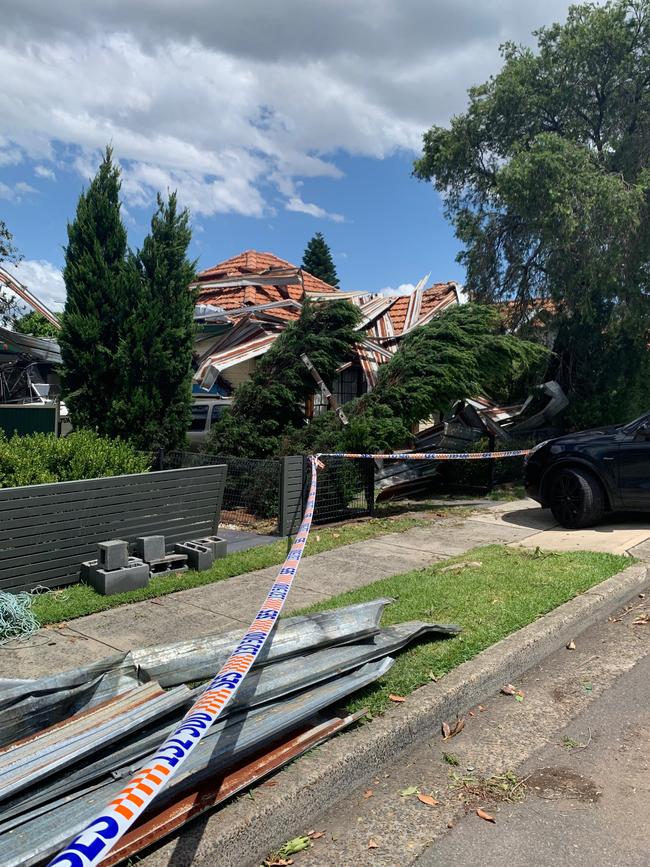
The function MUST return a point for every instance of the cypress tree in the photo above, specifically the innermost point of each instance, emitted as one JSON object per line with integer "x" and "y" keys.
{"x": 317, "y": 260}
{"x": 96, "y": 302}
{"x": 154, "y": 396}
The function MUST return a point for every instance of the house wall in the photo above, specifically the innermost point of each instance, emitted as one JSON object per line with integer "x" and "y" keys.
{"x": 239, "y": 373}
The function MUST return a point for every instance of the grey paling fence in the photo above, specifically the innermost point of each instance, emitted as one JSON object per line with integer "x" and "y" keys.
{"x": 47, "y": 531}
{"x": 252, "y": 492}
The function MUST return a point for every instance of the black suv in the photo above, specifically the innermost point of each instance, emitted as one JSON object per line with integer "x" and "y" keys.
{"x": 583, "y": 475}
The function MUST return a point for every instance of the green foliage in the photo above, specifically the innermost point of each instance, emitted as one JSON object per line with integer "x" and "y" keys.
{"x": 97, "y": 300}
{"x": 317, "y": 260}
{"x": 545, "y": 178}
{"x": 35, "y": 323}
{"x": 509, "y": 588}
{"x": 272, "y": 402}
{"x": 462, "y": 352}
{"x": 128, "y": 329}
{"x": 153, "y": 392}
{"x": 8, "y": 253}
{"x": 41, "y": 458}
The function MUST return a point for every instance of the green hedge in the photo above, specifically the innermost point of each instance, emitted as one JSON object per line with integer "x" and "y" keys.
{"x": 41, "y": 458}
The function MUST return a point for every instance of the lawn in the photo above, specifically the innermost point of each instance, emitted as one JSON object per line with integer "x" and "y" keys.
{"x": 80, "y": 599}
{"x": 511, "y": 588}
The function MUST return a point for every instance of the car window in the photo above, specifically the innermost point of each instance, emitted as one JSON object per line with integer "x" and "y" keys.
{"x": 217, "y": 412}
{"x": 199, "y": 418}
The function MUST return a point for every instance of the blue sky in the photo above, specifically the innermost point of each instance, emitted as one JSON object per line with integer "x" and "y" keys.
{"x": 273, "y": 121}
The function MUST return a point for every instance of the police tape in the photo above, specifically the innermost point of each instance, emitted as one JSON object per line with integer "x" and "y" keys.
{"x": 94, "y": 843}
{"x": 99, "y": 837}
{"x": 431, "y": 456}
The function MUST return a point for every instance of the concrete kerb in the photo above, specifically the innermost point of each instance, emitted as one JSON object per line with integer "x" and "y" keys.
{"x": 243, "y": 832}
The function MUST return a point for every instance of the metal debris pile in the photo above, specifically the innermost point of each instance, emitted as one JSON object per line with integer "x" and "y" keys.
{"x": 69, "y": 741}
{"x": 468, "y": 422}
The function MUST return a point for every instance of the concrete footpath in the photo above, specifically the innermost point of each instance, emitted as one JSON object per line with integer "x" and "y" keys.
{"x": 231, "y": 604}
{"x": 579, "y": 742}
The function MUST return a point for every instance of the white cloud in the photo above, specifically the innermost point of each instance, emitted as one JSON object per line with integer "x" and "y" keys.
{"x": 224, "y": 100}
{"x": 15, "y": 193}
{"x": 402, "y": 289}
{"x": 42, "y": 278}
{"x": 296, "y": 204}
{"x": 44, "y": 172}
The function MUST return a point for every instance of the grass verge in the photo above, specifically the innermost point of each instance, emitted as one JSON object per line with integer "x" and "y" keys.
{"x": 509, "y": 589}
{"x": 80, "y": 599}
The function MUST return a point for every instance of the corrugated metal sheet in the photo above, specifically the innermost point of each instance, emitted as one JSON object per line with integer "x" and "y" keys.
{"x": 40, "y": 836}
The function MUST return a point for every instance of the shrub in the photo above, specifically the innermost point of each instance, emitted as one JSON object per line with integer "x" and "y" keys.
{"x": 41, "y": 458}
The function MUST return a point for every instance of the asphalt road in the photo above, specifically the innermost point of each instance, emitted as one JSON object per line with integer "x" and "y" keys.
{"x": 591, "y": 809}
{"x": 579, "y": 740}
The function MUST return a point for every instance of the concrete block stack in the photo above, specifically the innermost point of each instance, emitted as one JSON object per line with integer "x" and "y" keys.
{"x": 114, "y": 571}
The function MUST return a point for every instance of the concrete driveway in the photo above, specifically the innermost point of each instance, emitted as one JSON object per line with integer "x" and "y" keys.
{"x": 618, "y": 534}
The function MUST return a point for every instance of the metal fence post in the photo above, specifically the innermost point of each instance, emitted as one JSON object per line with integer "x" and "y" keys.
{"x": 292, "y": 494}
{"x": 491, "y": 447}
{"x": 159, "y": 459}
{"x": 370, "y": 486}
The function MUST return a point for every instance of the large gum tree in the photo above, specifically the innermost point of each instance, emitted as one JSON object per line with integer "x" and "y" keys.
{"x": 546, "y": 178}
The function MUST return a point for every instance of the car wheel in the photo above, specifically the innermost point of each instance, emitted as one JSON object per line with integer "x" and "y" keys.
{"x": 576, "y": 498}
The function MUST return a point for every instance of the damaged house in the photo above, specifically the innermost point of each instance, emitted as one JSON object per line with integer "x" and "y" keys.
{"x": 245, "y": 302}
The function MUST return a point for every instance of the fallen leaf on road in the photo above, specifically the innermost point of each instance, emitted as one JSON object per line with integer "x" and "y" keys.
{"x": 485, "y": 816}
{"x": 455, "y": 729}
{"x": 315, "y": 835}
{"x": 481, "y": 708}
{"x": 367, "y": 794}
{"x": 411, "y": 790}
{"x": 397, "y": 698}
{"x": 298, "y": 844}
{"x": 642, "y": 621}
{"x": 372, "y": 844}
{"x": 428, "y": 800}
{"x": 508, "y": 689}
{"x": 519, "y": 696}
{"x": 571, "y": 645}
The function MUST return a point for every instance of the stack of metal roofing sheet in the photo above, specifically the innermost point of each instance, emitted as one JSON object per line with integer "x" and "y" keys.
{"x": 77, "y": 735}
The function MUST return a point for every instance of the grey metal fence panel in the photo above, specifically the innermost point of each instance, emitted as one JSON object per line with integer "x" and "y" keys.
{"x": 251, "y": 497}
{"x": 292, "y": 493}
{"x": 46, "y": 531}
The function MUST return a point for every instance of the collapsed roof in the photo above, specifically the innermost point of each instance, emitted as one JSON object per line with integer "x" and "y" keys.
{"x": 254, "y": 295}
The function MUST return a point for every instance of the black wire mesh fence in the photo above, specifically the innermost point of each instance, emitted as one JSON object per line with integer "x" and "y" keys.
{"x": 346, "y": 489}
{"x": 252, "y": 492}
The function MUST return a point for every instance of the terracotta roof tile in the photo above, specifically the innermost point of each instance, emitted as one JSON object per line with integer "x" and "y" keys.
{"x": 252, "y": 262}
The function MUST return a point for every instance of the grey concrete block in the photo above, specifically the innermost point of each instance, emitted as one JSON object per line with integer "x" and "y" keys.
{"x": 133, "y": 576}
{"x": 85, "y": 569}
{"x": 219, "y": 546}
{"x": 199, "y": 556}
{"x": 150, "y": 548}
{"x": 112, "y": 555}
{"x": 168, "y": 563}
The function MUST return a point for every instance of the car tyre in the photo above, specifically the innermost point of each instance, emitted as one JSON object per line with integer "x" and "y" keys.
{"x": 576, "y": 498}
